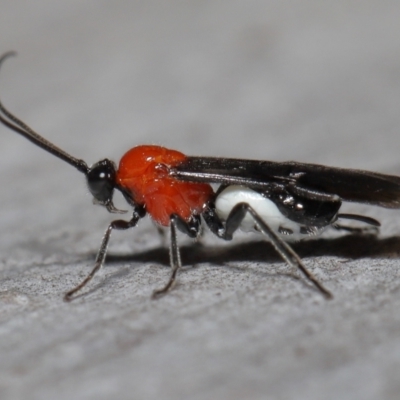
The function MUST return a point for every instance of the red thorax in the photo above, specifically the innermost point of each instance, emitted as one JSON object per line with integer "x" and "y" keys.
{"x": 144, "y": 173}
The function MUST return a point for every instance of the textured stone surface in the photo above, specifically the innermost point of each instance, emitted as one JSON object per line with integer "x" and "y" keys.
{"x": 306, "y": 81}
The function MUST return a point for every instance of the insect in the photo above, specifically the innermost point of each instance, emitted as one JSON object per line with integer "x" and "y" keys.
{"x": 286, "y": 200}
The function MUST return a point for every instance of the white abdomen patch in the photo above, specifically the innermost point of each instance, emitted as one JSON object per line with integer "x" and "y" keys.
{"x": 264, "y": 207}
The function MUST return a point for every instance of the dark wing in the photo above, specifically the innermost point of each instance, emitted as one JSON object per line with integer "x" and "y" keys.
{"x": 349, "y": 184}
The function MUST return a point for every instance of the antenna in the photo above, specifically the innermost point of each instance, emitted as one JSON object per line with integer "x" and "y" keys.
{"x": 14, "y": 123}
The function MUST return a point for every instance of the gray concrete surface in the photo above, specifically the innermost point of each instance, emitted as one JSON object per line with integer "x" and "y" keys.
{"x": 280, "y": 80}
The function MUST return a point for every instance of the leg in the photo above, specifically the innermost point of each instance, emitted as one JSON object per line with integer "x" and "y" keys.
{"x": 101, "y": 255}
{"x": 371, "y": 229}
{"x": 283, "y": 249}
{"x": 361, "y": 218}
{"x": 174, "y": 256}
{"x": 365, "y": 230}
{"x": 224, "y": 230}
{"x": 191, "y": 228}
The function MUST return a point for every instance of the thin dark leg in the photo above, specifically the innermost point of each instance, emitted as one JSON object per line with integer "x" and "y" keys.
{"x": 175, "y": 259}
{"x": 224, "y": 230}
{"x": 101, "y": 255}
{"x": 361, "y": 218}
{"x": 365, "y": 230}
{"x": 283, "y": 249}
{"x": 192, "y": 228}
{"x": 287, "y": 253}
{"x": 372, "y": 227}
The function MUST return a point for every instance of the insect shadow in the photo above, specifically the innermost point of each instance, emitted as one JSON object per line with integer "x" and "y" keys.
{"x": 349, "y": 247}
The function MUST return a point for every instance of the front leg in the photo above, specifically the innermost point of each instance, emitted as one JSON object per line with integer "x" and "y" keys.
{"x": 101, "y": 255}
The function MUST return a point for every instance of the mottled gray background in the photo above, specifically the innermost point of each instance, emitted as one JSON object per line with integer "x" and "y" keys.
{"x": 280, "y": 80}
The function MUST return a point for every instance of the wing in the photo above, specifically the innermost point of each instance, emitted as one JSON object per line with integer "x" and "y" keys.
{"x": 349, "y": 184}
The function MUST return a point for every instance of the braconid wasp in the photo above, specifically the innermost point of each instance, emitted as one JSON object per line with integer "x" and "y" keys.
{"x": 281, "y": 200}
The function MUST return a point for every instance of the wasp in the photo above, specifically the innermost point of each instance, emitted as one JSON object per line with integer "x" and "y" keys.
{"x": 283, "y": 201}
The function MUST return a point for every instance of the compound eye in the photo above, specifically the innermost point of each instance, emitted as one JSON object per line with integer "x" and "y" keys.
{"x": 101, "y": 181}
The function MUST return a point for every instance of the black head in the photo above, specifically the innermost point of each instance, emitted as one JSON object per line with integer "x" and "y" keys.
{"x": 101, "y": 182}
{"x": 100, "y": 177}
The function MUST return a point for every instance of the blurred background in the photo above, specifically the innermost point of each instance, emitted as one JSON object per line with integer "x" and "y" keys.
{"x": 309, "y": 81}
